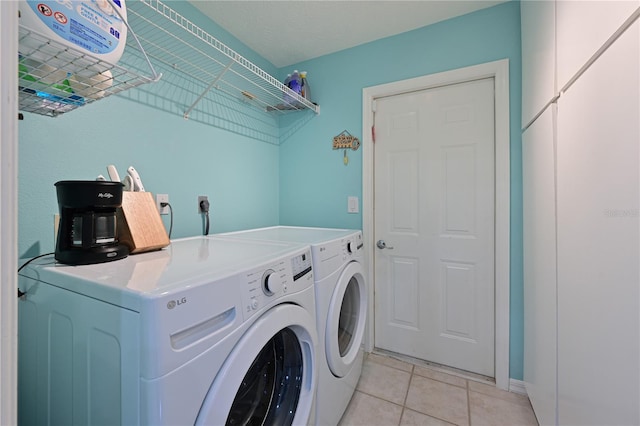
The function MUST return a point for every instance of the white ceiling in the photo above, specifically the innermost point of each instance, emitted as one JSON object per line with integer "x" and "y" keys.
{"x": 287, "y": 32}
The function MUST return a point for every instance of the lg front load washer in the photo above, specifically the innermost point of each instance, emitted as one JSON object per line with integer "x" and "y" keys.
{"x": 341, "y": 297}
{"x": 208, "y": 331}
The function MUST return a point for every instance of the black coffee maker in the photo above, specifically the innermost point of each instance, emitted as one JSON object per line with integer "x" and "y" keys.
{"x": 87, "y": 231}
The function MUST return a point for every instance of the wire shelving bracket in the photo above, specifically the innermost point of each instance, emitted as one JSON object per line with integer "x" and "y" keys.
{"x": 181, "y": 45}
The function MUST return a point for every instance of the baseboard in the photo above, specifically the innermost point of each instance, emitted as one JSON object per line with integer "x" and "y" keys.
{"x": 517, "y": 386}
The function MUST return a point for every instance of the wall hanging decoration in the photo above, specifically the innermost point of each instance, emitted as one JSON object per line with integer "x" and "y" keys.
{"x": 346, "y": 140}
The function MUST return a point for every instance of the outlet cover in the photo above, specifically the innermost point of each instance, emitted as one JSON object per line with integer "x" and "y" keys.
{"x": 162, "y": 198}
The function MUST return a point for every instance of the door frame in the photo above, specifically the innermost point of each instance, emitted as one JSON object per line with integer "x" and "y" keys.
{"x": 499, "y": 71}
{"x": 8, "y": 213}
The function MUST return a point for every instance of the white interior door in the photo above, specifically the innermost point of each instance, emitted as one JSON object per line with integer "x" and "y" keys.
{"x": 434, "y": 179}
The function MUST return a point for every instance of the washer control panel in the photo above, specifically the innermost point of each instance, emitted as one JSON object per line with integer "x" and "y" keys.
{"x": 351, "y": 245}
{"x": 264, "y": 285}
{"x": 329, "y": 256}
{"x": 301, "y": 265}
{"x": 272, "y": 283}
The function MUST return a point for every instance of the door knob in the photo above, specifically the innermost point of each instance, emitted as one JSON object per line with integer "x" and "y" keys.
{"x": 382, "y": 245}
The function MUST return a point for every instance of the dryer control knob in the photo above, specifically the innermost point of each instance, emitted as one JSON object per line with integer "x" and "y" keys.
{"x": 254, "y": 303}
{"x": 270, "y": 283}
{"x": 351, "y": 247}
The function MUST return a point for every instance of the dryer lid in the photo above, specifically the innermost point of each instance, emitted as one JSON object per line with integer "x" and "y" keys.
{"x": 295, "y": 234}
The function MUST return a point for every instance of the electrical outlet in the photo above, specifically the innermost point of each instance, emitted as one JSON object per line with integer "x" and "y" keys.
{"x": 162, "y": 198}
{"x": 200, "y": 199}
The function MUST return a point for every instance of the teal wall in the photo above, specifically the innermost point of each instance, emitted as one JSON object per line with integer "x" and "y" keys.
{"x": 181, "y": 158}
{"x": 143, "y": 128}
{"x": 315, "y": 184}
{"x": 251, "y": 181}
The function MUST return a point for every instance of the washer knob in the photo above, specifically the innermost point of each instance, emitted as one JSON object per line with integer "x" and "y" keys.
{"x": 254, "y": 303}
{"x": 351, "y": 247}
{"x": 270, "y": 283}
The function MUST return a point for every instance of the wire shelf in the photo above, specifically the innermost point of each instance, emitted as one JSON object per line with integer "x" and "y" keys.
{"x": 54, "y": 78}
{"x": 180, "y": 45}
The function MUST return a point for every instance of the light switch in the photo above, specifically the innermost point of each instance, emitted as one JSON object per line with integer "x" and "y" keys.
{"x": 353, "y": 205}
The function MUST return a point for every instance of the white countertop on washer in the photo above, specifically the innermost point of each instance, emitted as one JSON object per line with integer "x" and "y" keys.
{"x": 296, "y": 234}
{"x": 185, "y": 263}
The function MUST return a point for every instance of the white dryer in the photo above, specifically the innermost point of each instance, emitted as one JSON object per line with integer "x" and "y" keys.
{"x": 207, "y": 331}
{"x": 341, "y": 297}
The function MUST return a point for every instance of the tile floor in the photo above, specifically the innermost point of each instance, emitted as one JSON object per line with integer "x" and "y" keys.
{"x": 394, "y": 392}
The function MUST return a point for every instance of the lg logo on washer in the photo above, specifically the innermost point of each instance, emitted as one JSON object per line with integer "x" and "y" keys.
{"x": 173, "y": 303}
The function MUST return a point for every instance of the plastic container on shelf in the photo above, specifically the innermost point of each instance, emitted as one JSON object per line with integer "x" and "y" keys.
{"x": 50, "y": 85}
{"x": 92, "y": 26}
{"x": 294, "y": 83}
{"x": 305, "y": 89}
{"x": 94, "y": 87}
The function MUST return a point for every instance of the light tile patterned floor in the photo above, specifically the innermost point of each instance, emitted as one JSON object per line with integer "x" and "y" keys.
{"x": 394, "y": 392}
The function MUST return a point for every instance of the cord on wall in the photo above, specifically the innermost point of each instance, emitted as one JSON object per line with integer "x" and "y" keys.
{"x": 23, "y": 293}
{"x": 163, "y": 204}
{"x": 204, "y": 208}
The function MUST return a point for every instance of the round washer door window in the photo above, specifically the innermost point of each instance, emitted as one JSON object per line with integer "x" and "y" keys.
{"x": 270, "y": 390}
{"x": 346, "y": 320}
{"x": 270, "y": 376}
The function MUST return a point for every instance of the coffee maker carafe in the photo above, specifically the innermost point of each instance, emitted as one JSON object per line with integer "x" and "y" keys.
{"x": 87, "y": 231}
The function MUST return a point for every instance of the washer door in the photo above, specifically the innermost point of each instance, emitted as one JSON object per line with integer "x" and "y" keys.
{"x": 270, "y": 376}
{"x": 346, "y": 320}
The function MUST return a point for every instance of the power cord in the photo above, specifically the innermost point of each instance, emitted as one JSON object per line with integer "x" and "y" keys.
{"x": 163, "y": 204}
{"x": 204, "y": 206}
{"x": 22, "y": 293}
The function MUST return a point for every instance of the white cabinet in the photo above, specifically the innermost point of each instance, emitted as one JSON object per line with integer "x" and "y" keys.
{"x": 583, "y": 27}
{"x": 539, "y": 228}
{"x": 558, "y": 39}
{"x": 538, "y": 57}
{"x": 598, "y": 223}
{"x": 581, "y": 187}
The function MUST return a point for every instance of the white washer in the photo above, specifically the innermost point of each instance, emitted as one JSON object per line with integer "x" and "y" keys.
{"x": 206, "y": 331}
{"x": 341, "y": 297}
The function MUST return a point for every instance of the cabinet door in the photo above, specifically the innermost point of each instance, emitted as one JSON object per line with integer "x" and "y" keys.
{"x": 583, "y": 27}
{"x": 539, "y": 235}
{"x": 598, "y": 185}
{"x": 538, "y": 56}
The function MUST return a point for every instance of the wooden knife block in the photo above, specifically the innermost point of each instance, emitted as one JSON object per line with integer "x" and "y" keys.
{"x": 139, "y": 224}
